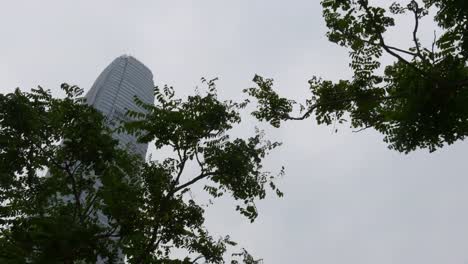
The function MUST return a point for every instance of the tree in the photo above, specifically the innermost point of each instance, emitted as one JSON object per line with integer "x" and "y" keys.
{"x": 148, "y": 210}
{"x": 419, "y": 101}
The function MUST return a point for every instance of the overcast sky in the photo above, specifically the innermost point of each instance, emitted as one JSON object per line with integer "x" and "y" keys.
{"x": 348, "y": 199}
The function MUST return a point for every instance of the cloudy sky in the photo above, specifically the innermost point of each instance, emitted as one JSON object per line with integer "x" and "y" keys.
{"x": 348, "y": 199}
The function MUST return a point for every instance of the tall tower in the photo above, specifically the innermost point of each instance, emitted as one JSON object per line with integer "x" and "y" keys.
{"x": 113, "y": 94}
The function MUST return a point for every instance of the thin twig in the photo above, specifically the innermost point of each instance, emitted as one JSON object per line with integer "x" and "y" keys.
{"x": 362, "y": 129}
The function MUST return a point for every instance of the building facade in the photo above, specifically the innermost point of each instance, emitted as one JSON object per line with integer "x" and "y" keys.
{"x": 113, "y": 94}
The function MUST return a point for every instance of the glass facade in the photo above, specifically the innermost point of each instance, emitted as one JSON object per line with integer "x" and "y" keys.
{"x": 113, "y": 94}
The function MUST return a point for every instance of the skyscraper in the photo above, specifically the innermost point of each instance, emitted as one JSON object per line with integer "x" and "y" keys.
{"x": 113, "y": 94}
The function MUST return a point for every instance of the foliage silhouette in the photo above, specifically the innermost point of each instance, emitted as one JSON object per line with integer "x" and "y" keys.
{"x": 56, "y": 218}
{"x": 419, "y": 101}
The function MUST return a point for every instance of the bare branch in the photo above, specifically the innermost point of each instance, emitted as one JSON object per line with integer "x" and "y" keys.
{"x": 110, "y": 233}
{"x": 194, "y": 180}
{"x": 349, "y": 99}
{"x": 183, "y": 161}
{"x": 400, "y": 50}
{"x": 362, "y": 129}
{"x": 415, "y": 30}
{"x": 196, "y": 259}
{"x": 76, "y": 194}
{"x": 387, "y": 46}
{"x": 433, "y": 46}
{"x": 202, "y": 168}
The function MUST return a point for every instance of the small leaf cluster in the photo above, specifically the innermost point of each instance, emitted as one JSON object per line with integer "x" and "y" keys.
{"x": 271, "y": 106}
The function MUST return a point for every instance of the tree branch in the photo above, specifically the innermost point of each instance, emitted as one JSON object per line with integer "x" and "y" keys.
{"x": 150, "y": 244}
{"x": 315, "y": 106}
{"x": 196, "y": 259}
{"x": 183, "y": 161}
{"x": 75, "y": 192}
{"x": 202, "y": 168}
{"x": 415, "y": 11}
{"x": 194, "y": 180}
{"x": 362, "y": 129}
{"x": 89, "y": 207}
{"x": 416, "y": 26}
{"x": 400, "y": 50}
{"x": 386, "y": 48}
{"x": 109, "y": 233}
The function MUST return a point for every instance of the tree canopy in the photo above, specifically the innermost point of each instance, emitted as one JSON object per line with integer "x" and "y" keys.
{"x": 418, "y": 101}
{"x": 147, "y": 210}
